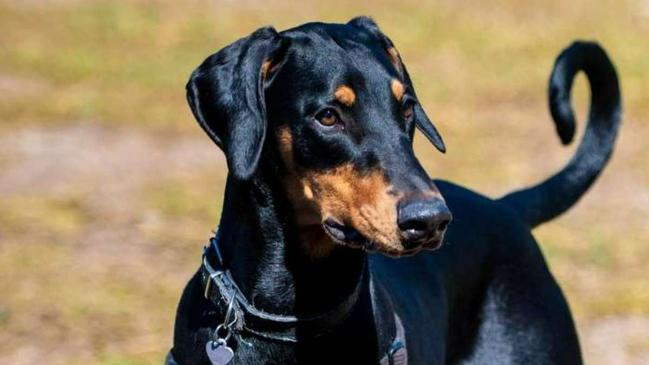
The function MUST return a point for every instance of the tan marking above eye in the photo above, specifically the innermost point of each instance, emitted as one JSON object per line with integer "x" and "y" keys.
{"x": 397, "y": 89}
{"x": 345, "y": 95}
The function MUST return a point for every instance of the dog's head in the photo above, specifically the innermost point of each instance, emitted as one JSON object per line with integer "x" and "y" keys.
{"x": 337, "y": 105}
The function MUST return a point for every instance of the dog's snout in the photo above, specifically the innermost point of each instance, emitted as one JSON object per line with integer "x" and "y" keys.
{"x": 422, "y": 220}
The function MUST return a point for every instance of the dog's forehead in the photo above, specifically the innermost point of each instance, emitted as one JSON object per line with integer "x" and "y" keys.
{"x": 343, "y": 35}
{"x": 333, "y": 49}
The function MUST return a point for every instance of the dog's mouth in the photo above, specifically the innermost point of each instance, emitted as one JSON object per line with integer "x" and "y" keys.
{"x": 344, "y": 234}
{"x": 349, "y": 236}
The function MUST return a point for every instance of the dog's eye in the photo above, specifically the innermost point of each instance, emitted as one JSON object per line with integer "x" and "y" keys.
{"x": 328, "y": 117}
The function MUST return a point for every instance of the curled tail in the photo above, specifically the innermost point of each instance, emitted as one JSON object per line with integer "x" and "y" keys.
{"x": 550, "y": 198}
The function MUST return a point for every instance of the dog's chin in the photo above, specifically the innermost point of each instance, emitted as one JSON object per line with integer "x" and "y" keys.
{"x": 350, "y": 237}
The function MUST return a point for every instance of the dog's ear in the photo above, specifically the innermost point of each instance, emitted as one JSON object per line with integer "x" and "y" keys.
{"x": 226, "y": 95}
{"x": 421, "y": 119}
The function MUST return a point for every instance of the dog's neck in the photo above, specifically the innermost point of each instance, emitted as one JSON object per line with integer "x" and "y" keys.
{"x": 259, "y": 244}
{"x": 259, "y": 240}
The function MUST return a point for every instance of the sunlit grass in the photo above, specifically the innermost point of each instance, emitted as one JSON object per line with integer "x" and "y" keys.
{"x": 127, "y": 62}
{"x": 51, "y": 218}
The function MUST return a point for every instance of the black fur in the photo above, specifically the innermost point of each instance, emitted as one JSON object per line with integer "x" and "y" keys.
{"x": 554, "y": 196}
{"x": 485, "y": 297}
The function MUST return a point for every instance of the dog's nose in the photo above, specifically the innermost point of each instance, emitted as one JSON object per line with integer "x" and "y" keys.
{"x": 422, "y": 219}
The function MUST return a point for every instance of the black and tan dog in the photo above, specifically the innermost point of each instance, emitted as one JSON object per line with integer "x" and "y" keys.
{"x": 318, "y": 256}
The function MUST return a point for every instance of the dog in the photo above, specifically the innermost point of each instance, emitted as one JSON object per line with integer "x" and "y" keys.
{"x": 323, "y": 254}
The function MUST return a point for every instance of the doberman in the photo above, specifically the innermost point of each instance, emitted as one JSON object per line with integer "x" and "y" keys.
{"x": 323, "y": 252}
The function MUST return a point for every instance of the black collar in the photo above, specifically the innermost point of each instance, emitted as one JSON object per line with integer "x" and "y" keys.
{"x": 241, "y": 315}
{"x": 223, "y": 292}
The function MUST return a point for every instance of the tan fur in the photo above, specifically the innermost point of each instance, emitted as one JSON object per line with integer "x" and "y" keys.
{"x": 362, "y": 201}
{"x": 345, "y": 95}
{"x": 395, "y": 59}
{"x": 285, "y": 143}
{"x": 266, "y": 68}
{"x": 316, "y": 243}
{"x": 397, "y": 89}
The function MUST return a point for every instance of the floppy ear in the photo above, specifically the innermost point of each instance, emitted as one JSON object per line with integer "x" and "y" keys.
{"x": 226, "y": 95}
{"x": 421, "y": 120}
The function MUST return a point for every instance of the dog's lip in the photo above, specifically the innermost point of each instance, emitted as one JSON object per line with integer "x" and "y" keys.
{"x": 428, "y": 246}
{"x": 433, "y": 245}
{"x": 349, "y": 236}
{"x": 342, "y": 233}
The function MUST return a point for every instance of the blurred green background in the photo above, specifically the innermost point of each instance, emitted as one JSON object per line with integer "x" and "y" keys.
{"x": 108, "y": 188}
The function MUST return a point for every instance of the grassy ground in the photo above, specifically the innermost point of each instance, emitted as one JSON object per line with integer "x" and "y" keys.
{"x": 108, "y": 189}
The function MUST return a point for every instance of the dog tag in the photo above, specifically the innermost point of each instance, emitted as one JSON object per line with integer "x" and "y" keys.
{"x": 218, "y": 352}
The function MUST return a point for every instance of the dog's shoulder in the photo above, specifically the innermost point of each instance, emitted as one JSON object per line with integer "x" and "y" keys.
{"x": 478, "y": 218}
